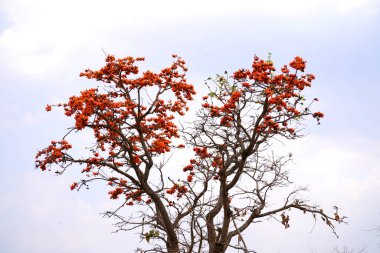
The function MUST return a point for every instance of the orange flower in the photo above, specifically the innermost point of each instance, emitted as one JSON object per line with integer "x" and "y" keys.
{"x": 73, "y": 186}
{"x": 298, "y": 63}
{"x": 318, "y": 115}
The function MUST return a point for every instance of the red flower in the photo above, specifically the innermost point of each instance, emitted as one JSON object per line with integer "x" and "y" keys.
{"x": 170, "y": 191}
{"x": 73, "y": 186}
{"x": 188, "y": 167}
{"x": 115, "y": 193}
{"x": 285, "y": 70}
{"x": 298, "y": 63}
{"x": 318, "y": 115}
{"x": 247, "y": 85}
{"x": 201, "y": 152}
{"x": 235, "y": 95}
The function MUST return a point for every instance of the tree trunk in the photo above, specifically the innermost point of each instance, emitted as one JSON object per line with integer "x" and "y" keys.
{"x": 218, "y": 248}
{"x": 172, "y": 247}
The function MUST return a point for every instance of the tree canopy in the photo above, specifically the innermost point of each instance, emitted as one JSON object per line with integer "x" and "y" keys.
{"x": 227, "y": 184}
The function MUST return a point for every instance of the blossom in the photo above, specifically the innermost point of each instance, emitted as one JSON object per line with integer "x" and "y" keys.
{"x": 201, "y": 152}
{"x": 298, "y": 63}
{"x": 318, "y": 115}
{"x": 189, "y": 167}
{"x": 245, "y": 84}
{"x": 73, "y": 186}
{"x": 116, "y": 192}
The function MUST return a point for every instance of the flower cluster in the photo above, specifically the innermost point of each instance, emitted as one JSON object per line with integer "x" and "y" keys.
{"x": 226, "y": 109}
{"x": 180, "y": 189}
{"x": 217, "y": 162}
{"x": 274, "y": 101}
{"x": 131, "y": 196}
{"x": 279, "y": 96}
{"x": 54, "y": 153}
{"x": 114, "y": 194}
{"x": 73, "y": 186}
{"x": 135, "y": 195}
{"x": 298, "y": 63}
{"x": 201, "y": 152}
{"x": 122, "y": 119}
{"x": 189, "y": 167}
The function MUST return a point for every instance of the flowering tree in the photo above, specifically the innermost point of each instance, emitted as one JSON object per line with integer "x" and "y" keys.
{"x": 226, "y": 186}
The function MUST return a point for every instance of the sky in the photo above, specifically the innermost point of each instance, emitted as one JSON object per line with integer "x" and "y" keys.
{"x": 45, "y": 44}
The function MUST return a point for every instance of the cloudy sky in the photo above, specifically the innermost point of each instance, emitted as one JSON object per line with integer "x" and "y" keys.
{"x": 44, "y": 44}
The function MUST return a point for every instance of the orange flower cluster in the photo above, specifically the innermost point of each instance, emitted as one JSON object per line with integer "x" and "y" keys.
{"x": 280, "y": 96}
{"x": 54, "y": 153}
{"x": 201, "y": 152}
{"x": 189, "y": 167}
{"x": 118, "y": 181}
{"x": 113, "y": 68}
{"x": 261, "y": 71}
{"x": 318, "y": 115}
{"x": 135, "y": 195}
{"x": 217, "y": 162}
{"x": 132, "y": 117}
{"x": 190, "y": 178}
{"x": 180, "y": 189}
{"x": 160, "y": 146}
{"x": 113, "y": 110}
{"x": 298, "y": 63}
{"x": 73, "y": 186}
{"x": 225, "y": 110}
{"x": 116, "y": 192}
{"x": 194, "y": 166}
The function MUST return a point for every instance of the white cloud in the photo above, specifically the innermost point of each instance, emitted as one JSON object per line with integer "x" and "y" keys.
{"x": 43, "y": 33}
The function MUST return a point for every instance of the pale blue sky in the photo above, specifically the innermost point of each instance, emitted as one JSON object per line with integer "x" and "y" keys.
{"x": 44, "y": 45}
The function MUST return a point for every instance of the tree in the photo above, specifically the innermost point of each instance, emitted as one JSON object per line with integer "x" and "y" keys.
{"x": 226, "y": 186}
